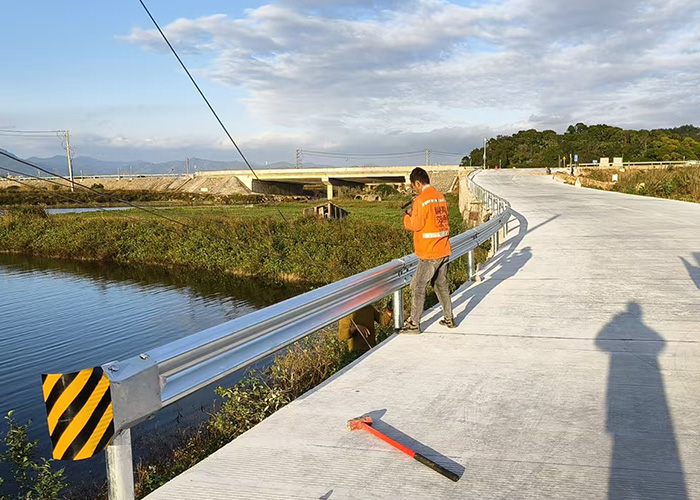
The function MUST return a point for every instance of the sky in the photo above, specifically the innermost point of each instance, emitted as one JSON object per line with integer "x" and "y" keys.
{"x": 364, "y": 76}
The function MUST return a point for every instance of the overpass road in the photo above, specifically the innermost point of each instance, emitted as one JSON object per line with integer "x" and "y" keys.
{"x": 574, "y": 373}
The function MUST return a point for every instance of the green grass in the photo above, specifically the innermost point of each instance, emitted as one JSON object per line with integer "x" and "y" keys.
{"x": 53, "y": 197}
{"x": 239, "y": 240}
{"x": 249, "y": 241}
{"x": 679, "y": 183}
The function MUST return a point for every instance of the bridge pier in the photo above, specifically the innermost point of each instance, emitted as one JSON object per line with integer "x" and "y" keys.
{"x": 271, "y": 187}
{"x": 330, "y": 182}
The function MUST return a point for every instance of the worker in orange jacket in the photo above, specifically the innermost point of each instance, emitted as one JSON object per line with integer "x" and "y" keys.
{"x": 427, "y": 218}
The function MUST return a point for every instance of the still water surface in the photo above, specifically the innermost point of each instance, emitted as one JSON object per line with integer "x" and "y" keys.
{"x": 58, "y": 316}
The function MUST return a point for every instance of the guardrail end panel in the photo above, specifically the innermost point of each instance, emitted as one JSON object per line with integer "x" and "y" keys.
{"x": 136, "y": 390}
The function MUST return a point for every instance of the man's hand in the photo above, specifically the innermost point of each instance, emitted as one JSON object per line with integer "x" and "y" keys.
{"x": 409, "y": 211}
{"x": 364, "y": 331}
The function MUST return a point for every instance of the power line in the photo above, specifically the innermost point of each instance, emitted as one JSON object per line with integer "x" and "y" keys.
{"x": 449, "y": 154}
{"x": 77, "y": 184}
{"x": 80, "y": 202}
{"x": 198, "y": 89}
{"x": 27, "y": 132}
{"x": 52, "y": 193}
{"x": 360, "y": 155}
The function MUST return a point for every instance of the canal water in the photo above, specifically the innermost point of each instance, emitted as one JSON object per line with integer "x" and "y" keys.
{"x": 62, "y": 316}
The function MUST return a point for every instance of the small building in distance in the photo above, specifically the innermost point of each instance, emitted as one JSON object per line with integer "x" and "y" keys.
{"x": 327, "y": 211}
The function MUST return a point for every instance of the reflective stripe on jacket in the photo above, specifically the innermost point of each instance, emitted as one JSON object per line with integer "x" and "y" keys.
{"x": 428, "y": 221}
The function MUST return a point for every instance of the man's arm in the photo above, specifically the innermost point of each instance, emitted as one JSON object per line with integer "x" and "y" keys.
{"x": 345, "y": 329}
{"x": 416, "y": 220}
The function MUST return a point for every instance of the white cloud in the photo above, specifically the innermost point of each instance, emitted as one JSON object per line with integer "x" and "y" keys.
{"x": 353, "y": 73}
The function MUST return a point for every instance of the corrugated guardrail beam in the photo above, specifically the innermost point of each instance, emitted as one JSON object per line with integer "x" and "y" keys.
{"x": 144, "y": 384}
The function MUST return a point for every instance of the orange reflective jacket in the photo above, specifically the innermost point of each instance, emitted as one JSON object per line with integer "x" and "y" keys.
{"x": 428, "y": 221}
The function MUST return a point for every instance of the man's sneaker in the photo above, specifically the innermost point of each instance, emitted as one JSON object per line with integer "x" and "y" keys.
{"x": 448, "y": 322}
{"x": 410, "y": 328}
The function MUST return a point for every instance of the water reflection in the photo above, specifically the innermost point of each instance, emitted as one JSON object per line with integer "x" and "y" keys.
{"x": 645, "y": 461}
{"x": 60, "y": 316}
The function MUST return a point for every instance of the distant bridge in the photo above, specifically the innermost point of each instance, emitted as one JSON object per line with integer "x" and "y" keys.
{"x": 292, "y": 181}
{"x": 284, "y": 181}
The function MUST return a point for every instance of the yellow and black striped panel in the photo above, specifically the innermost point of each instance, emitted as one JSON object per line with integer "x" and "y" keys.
{"x": 79, "y": 413}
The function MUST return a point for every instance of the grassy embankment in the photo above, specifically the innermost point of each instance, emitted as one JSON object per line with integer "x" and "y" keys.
{"x": 55, "y": 197}
{"x": 239, "y": 240}
{"x": 243, "y": 240}
{"x": 679, "y": 183}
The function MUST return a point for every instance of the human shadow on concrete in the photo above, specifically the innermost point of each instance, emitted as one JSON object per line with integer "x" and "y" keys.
{"x": 693, "y": 271}
{"x": 504, "y": 265}
{"x": 645, "y": 461}
{"x": 413, "y": 444}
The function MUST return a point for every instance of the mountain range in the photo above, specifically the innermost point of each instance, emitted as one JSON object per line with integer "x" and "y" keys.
{"x": 92, "y": 166}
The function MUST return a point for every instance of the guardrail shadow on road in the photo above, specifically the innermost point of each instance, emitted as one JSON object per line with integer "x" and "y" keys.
{"x": 506, "y": 263}
{"x": 645, "y": 461}
{"x": 693, "y": 271}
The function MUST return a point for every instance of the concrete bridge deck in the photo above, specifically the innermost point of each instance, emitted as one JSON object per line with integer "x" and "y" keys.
{"x": 292, "y": 180}
{"x": 574, "y": 374}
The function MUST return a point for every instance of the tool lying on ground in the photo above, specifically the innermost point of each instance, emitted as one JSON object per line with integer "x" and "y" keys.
{"x": 365, "y": 423}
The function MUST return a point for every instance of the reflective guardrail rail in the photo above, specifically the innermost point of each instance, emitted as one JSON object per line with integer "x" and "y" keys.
{"x": 142, "y": 385}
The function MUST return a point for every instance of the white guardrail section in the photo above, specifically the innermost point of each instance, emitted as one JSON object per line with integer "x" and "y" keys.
{"x": 95, "y": 176}
{"x": 142, "y": 385}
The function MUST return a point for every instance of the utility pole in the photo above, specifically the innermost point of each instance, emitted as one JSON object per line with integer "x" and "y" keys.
{"x": 485, "y": 152}
{"x": 297, "y": 163}
{"x": 70, "y": 161}
{"x": 187, "y": 166}
{"x": 427, "y": 157}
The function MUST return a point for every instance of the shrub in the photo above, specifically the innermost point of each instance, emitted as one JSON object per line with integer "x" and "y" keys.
{"x": 258, "y": 395}
{"x": 26, "y": 211}
{"x": 33, "y": 481}
{"x": 385, "y": 190}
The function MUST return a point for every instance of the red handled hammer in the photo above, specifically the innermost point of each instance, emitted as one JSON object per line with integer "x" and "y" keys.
{"x": 365, "y": 423}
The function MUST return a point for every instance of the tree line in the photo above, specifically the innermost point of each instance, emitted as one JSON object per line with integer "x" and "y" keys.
{"x": 532, "y": 148}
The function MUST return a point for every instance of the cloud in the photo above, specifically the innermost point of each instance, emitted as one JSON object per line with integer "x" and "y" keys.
{"x": 353, "y": 72}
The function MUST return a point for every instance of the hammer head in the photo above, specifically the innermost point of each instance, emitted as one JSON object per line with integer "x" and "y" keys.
{"x": 357, "y": 423}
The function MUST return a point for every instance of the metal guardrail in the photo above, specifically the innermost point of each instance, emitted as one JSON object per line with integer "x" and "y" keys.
{"x": 96, "y": 176}
{"x": 140, "y": 386}
{"x": 680, "y": 163}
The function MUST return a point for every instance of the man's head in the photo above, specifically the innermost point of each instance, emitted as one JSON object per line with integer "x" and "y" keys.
{"x": 419, "y": 178}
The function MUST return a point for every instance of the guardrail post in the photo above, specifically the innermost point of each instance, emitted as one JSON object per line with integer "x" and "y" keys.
{"x": 120, "y": 467}
{"x": 398, "y": 309}
{"x": 470, "y": 263}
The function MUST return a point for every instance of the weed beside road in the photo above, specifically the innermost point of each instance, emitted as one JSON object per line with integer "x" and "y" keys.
{"x": 239, "y": 240}
{"x": 250, "y": 240}
{"x": 678, "y": 183}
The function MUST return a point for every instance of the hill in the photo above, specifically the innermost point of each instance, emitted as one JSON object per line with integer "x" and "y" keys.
{"x": 532, "y": 148}
{"x": 92, "y": 166}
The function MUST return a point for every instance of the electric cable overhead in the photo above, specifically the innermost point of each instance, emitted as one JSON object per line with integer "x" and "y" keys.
{"x": 53, "y": 193}
{"x": 448, "y": 154}
{"x": 27, "y": 132}
{"x": 172, "y": 49}
{"x": 77, "y": 184}
{"x": 360, "y": 155}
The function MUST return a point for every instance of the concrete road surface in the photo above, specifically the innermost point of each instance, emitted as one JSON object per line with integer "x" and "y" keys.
{"x": 574, "y": 374}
